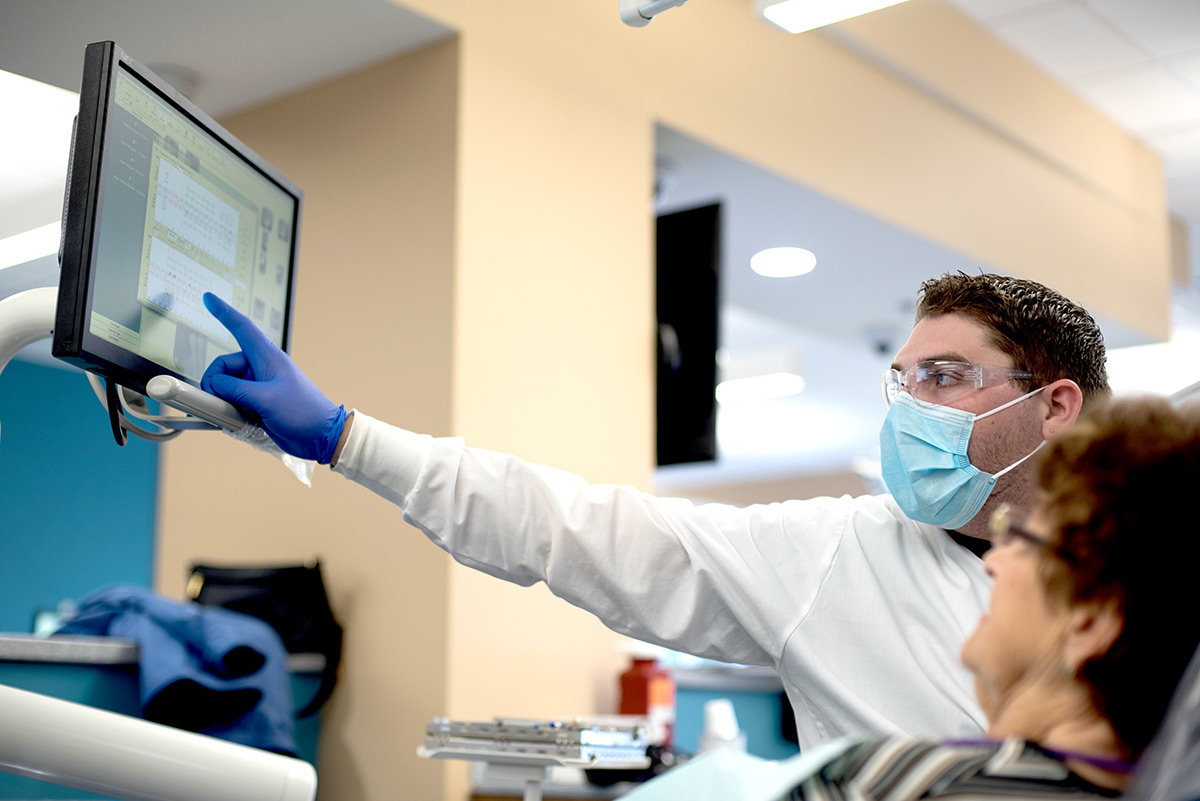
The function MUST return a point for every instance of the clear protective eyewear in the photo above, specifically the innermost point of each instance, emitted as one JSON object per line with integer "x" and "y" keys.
{"x": 942, "y": 381}
{"x": 1004, "y": 529}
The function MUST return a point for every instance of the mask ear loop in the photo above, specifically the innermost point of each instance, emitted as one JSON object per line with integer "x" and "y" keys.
{"x": 1002, "y": 407}
{"x": 1012, "y": 402}
{"x": 1019, "y": 461}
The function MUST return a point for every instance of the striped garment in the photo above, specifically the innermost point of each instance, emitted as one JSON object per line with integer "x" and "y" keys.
{"x": 903, "y": 769}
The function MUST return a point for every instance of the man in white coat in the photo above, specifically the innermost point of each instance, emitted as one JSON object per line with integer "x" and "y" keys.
{"x": 860, "y": 604}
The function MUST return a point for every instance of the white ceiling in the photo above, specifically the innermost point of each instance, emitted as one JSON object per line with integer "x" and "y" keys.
{"x": 243, "y": 53}
{"x": 240, "y": 54}
{"x": 1136, "y": 60}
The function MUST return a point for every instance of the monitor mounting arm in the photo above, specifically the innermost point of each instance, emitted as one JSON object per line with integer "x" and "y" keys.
{"x": 25, "y": 318}
{"x": 28, "y": 317}
{"x": 116, "y": 755}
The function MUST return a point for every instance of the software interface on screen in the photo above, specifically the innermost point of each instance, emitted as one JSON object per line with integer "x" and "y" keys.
{"x": 183, "y": 215}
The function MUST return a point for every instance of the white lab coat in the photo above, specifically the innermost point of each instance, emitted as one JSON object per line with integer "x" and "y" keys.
{"x": 860, "y": 610}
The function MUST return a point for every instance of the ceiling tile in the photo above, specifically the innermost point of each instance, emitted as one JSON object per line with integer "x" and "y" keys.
{"x": 991, "y": 9}
{"x": 1161, "y": 27}
{"x": 1180, "y": 150}
{"x": 1068, "y": 42}
{"x": 1184, "y": 198}
{"x": 1187, "y": 68}
{"x": 1144, "y": 98}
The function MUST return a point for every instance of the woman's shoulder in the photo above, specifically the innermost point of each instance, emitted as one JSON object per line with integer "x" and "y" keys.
{"x": 905, "y": 769}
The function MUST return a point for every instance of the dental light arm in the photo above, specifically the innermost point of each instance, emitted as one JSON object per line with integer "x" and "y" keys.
{"x": 638, "y": 13}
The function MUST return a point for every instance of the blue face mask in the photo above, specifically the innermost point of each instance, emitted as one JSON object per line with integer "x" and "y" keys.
{"x": 923, "y": 451}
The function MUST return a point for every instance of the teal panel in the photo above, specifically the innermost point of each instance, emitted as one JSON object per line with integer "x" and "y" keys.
{"x": 759, "y": 715}
{"x": 76, "y": 511}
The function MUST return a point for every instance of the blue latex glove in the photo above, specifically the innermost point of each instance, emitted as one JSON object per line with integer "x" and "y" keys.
{"x": 263, "y": 380}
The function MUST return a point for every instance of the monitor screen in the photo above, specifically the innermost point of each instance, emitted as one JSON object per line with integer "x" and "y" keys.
{"x": 163, "y": 205}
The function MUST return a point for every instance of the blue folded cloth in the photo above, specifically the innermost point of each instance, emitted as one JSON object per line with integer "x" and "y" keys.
{"x": 201, "y": 668}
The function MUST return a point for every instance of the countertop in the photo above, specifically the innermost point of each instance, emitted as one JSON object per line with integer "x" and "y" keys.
{"x": 728, "y": 678}
{"x": 88, "y": 650}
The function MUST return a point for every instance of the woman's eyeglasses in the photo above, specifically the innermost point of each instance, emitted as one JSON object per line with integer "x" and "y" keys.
{"x": 1005, "y": 528}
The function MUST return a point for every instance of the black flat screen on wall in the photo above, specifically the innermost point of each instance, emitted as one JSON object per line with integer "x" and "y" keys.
{"x": 163, "y": 205}
{"x": 687, "y": 298}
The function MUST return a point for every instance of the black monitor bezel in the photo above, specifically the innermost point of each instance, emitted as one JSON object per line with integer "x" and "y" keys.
{"x": 72, "y": 340}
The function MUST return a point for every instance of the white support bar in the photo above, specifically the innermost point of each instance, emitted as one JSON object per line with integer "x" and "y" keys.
{"x": 128, "y": 758}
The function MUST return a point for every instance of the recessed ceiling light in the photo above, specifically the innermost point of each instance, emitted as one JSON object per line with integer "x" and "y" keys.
{"x": 31, "y": 183}
{"x": 783, "y": 262}
{"x": 797, "y": 16}
{"x": 759, "y": 388}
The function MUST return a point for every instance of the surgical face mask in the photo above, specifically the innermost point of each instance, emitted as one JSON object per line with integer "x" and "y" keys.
{"x": 923, "y": 451}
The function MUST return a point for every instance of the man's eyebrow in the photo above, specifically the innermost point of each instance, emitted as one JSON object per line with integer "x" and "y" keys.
{"x": 938, "y": 357}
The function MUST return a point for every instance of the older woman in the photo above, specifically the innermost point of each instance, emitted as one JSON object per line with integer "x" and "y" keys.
{"x": 1089, "y": 630}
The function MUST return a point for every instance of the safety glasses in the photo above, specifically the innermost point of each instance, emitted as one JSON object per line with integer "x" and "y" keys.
{"x": 942, "y": 381}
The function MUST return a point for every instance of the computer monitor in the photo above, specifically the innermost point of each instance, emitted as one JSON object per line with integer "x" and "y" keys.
{"x": 163, "y": 204}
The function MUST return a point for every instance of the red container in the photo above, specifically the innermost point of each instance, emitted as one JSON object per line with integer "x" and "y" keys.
{"x": 648, "y": 689}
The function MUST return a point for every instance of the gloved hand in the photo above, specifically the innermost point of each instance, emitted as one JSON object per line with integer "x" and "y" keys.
{"x": 263, "y": 380}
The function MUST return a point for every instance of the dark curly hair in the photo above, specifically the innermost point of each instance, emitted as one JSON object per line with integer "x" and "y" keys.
{"x": 1117, "y": 486}
{"x": 1044, "y": 332}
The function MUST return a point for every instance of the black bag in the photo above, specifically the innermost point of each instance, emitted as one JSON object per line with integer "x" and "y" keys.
{"x": 291, "y": 599}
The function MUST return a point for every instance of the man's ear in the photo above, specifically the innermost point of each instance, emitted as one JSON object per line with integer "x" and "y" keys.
{"x": 1092, "y": 630}
{"x": 1064, "y": 402}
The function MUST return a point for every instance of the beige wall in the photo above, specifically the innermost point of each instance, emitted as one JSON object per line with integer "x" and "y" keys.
{"x": 553, "y": 355}
{"x": 477, "y": 260}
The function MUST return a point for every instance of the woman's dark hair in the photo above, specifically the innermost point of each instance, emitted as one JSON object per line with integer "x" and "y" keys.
{"x": 1118, "y": 487}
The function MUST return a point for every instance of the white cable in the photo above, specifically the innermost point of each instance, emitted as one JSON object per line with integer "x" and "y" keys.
{"x": 161, "y": 433}
{"x": 175, "y": 422}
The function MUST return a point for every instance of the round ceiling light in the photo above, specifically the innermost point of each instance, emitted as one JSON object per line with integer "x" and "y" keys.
{"x": 783, "y": 262}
